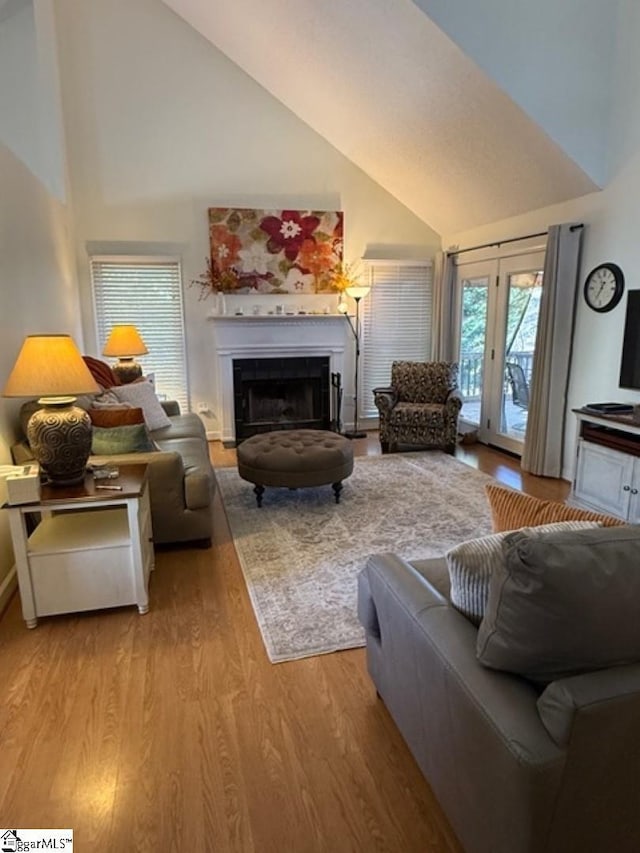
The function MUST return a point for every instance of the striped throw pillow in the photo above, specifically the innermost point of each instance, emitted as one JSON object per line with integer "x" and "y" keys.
{"x": 512, "y": 510}
{"x": 471, "y": 565}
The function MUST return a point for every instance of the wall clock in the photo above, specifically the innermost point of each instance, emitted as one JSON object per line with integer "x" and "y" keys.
{"x": 603, "y": 287}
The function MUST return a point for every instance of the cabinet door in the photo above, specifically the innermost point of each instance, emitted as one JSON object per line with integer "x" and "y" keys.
{"x": 603, "y": 478}
{"x": 634, "y": 499}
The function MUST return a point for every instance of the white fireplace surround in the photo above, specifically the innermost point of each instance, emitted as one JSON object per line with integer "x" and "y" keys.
{"x": 272, "y": 336}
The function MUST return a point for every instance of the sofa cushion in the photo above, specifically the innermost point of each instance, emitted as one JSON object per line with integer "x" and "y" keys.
{"x": 471, "y": 565}
{"x": 132, "y": 438}
{"x": 116, "y": 417}
{"x": 101, "y": 372}
{"x": 512, "y": 510}
{"x": 563, "y": 603}
{"x": 142, "y": 394}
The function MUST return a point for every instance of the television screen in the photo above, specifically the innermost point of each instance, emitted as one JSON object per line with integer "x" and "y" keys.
{"x": 630, "y": 362}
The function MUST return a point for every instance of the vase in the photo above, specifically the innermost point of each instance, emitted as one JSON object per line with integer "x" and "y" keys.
{"x": 222, "y": 305}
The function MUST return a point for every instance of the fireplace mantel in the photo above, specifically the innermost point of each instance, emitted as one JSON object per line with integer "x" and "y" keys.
{"x": 272, "y": 336}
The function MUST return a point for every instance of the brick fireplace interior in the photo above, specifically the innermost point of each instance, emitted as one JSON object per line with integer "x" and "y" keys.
{"x": 280, "y": 393}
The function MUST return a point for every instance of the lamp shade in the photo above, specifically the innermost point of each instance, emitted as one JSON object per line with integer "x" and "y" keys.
{"x": 124, "y": 341}
{"x": 49, "y": 366}
{"x": 357, "y": 291}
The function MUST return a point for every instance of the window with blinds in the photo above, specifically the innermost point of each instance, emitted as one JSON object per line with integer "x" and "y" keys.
{"x": 396, "y": 322}
{"x": 145, "y": 291}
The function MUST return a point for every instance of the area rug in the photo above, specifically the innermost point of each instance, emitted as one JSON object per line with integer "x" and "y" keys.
{"x": 301, "y": 552}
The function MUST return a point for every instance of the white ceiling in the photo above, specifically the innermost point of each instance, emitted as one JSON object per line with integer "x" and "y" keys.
{"x": 389, "y": 90}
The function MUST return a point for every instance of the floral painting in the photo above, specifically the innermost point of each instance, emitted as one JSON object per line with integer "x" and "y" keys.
{"x": 275, "y": 251}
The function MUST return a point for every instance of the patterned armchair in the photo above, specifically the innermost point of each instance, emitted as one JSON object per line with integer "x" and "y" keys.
{"x": 421, "y": 406}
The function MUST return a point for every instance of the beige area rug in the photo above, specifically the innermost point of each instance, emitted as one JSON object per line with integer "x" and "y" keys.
{"x": 301, "y": 553}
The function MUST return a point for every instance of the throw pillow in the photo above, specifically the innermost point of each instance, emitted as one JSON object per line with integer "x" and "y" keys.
{"x": 471, "y": 565}
{"x": 142, "y": 394}
{"x": 101, "y": 372}
{"x": 563, "y": 603}
{"x": 109, "y": 441}
{"x": 115, "y": 417}
{"x": 512, "y": 510}
{"x": 108, "y": 400}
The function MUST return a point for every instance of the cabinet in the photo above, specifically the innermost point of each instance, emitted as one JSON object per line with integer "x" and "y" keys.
{"x": 91, "y": 549}
{"x": 607, "y": 471}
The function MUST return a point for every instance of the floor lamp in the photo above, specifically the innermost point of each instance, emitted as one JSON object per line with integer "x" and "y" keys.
{"x": 356, "y": 292}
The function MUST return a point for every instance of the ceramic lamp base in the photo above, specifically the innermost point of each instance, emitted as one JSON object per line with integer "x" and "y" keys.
{"x": 60, "y": 437}
{"x": 127, "y": 371}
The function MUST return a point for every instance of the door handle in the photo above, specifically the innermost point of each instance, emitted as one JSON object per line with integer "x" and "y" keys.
{"x": 626, "y": 488}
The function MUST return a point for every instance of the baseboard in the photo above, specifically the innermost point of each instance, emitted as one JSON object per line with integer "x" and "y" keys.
{"x": 7, "y": 588}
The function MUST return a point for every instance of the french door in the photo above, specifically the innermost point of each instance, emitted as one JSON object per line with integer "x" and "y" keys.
{"x": 498, "y": 305}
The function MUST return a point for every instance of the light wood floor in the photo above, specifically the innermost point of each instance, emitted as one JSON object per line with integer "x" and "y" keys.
{"x": 173, "y": 732}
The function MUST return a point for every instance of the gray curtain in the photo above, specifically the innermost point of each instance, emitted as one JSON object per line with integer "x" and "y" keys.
{"x": 442, "y": 332}
{"x": 544, "y": 438}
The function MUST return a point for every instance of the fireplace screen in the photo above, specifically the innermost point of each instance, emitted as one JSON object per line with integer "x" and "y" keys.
{"x": 280, "y": 393}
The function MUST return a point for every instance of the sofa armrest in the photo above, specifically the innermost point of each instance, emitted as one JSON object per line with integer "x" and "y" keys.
{"x": 21, "y": 452}
{"x": 603, "y": 693}
{"x": 171, "y": 407}
{"x": 198, "y": 489}
{"x": 417, "y": 624}
{"x": 454, "y": 400}
{"x": 385, "y": 398}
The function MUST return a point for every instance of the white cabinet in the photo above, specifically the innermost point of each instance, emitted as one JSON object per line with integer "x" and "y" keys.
{"x": 89, "y": 551}
{"x": 607, "y": 472}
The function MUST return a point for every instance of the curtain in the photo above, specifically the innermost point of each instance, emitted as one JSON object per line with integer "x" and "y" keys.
{"x": 544, "y": 438}
{"x": 443, "y": 337}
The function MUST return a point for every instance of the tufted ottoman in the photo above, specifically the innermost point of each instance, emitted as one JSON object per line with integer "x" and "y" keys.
{"x": 295, "y": 459}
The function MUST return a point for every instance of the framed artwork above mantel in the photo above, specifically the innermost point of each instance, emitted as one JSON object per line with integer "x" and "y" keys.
{"x": 275, "y": 251}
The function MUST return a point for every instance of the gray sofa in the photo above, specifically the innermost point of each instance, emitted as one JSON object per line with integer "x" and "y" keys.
{"x": 516, "y": 767}
{"x": 181, "y": 479}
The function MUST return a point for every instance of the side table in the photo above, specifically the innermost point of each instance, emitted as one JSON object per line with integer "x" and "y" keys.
{"x": 92, "y": 548}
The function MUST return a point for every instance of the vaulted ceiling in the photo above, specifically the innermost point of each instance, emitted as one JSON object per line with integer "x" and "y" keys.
{"x": 385, "y": 86}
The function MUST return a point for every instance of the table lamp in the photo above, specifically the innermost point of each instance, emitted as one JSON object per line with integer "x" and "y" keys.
{"x": 50, "y": 367}
{"x": 356, "y": 292}
{"x": 124, "y": 343}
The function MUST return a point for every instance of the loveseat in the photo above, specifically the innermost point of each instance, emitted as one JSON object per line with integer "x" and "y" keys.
{"x": 518, "y": 765}
{"x": 181, "y": 479}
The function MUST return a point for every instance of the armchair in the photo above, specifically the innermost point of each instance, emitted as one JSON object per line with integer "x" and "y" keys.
{"x": 421, "y": 406}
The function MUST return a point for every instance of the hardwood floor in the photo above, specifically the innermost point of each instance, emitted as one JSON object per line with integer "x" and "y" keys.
{"x": 173, "y": 732}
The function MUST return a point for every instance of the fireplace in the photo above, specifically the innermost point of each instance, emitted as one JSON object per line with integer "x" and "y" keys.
{"x": 275, "y": 339}
{"x": 280, "y": 393}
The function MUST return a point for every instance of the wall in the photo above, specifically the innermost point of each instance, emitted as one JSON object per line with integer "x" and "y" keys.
{"x": 160, "y": 126}
{"x": 554, "y": 59}
{"x": 611, "y": 234}
{"x": 38, "y": 290}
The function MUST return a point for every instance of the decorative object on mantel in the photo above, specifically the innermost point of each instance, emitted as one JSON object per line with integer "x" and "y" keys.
{"x": 272, "y": 251}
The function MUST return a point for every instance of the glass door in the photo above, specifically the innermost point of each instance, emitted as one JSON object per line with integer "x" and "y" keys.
{"x": 474, "y": 282}
{"x": 499, "y": 302}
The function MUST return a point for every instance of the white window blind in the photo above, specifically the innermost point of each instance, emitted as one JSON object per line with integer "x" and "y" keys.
{"x": 396, "y": 322}
{"x": 145, "y": 291}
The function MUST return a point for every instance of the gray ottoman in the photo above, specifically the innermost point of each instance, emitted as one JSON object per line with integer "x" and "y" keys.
{"x": 295, "y": 459}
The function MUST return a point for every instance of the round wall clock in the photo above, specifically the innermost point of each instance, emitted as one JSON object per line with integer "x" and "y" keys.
{"x": 603, "y": 287}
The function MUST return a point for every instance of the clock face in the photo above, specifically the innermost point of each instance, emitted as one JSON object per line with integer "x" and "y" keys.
{"x": 603, "y": 287}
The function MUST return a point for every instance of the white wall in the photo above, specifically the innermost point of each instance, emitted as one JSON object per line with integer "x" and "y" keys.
{"x": 611, "y": 234}
{"x": 38, "y": 292}
{"x": 30, "y": 121}
{"x": 555, "y": 59}
{"x": 38, "y": 289}
{"x": 161, "y": 126}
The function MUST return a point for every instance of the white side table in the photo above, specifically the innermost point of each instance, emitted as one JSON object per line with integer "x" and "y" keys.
{"x": 92, "y": 549}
